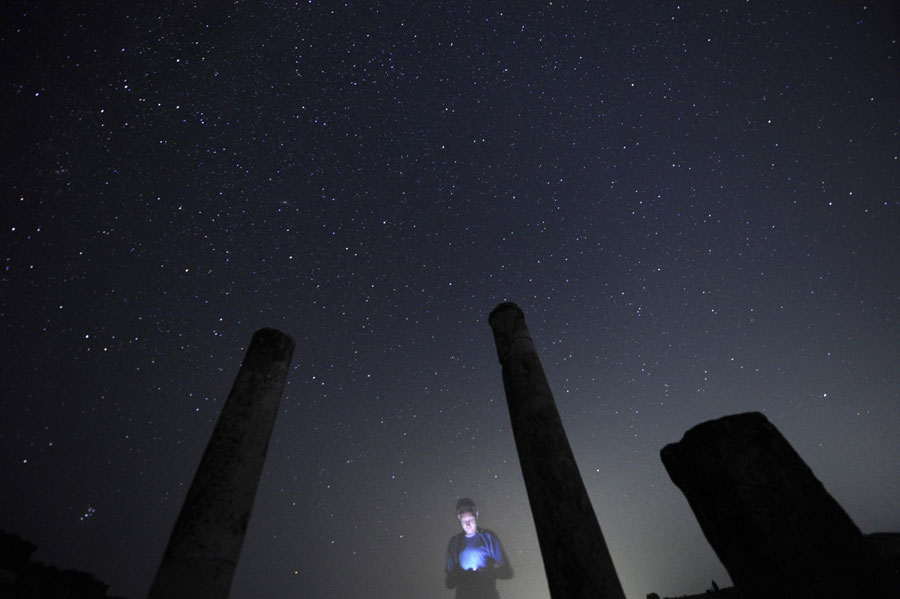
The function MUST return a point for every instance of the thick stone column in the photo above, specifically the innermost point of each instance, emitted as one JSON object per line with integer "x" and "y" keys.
{"x": 774, "y": 526}
{"x": 206, "y": 542}
{"x": 576, "y": 559}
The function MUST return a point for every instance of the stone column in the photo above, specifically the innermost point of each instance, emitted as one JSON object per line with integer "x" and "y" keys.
{"x": 576, "y": 559}
{"x": 774, "y": 526}
{"x": 203, "y": 550}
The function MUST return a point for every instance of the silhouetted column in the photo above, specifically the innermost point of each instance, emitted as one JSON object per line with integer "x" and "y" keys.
{"x": 206, "y": 542}
{"x": 774, "y": 526}
{"x": 576, "y": 559}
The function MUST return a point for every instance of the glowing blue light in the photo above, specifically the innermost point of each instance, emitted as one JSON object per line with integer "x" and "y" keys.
{"x": 472, "y": 558}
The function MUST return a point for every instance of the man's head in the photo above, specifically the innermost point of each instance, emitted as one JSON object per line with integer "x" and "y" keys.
{"x": 467, "y": 514}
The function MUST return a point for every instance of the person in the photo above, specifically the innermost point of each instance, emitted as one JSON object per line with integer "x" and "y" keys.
{"x": 475, "y": 557}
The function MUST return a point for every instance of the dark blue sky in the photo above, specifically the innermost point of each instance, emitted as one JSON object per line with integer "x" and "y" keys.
{"x": 696, "y": 206}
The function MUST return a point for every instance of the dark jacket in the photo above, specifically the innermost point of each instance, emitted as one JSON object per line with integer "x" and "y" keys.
{"x": 475, "y": 563}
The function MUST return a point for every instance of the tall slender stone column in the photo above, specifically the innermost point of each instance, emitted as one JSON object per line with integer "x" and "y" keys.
{"x": 778, "y": 532}
{"x": 576, "y": 558}
{"x": 206, "y": 542}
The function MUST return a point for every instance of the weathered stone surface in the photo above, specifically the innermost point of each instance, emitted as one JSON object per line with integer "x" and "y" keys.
{"x": 774, "y": 526}
{"x": 887, "y": 544}
{"x": 206, "y": 542}
{"x": 576, "y": 558}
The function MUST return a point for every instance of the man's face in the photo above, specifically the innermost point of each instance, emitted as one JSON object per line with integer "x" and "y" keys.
{"x": 468, "y": 523}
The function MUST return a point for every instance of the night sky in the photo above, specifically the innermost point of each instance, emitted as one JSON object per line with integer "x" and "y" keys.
{"x": 697, "y": 205}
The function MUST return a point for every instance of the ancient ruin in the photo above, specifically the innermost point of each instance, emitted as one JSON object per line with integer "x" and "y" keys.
{"x": 771, "y": 522}
{"x": 203, "y": 550}
{"x": 775, "y": 528}
{"x": 576, "y": 559}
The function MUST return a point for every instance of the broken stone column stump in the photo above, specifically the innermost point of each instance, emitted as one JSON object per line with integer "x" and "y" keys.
{"x": 773, "y": 525}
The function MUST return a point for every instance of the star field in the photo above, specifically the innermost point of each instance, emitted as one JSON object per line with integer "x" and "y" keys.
{"x": 695, "y": 205}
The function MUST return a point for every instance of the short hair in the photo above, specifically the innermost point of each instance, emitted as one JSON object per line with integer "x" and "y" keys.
{"x": 465, "y": 506}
